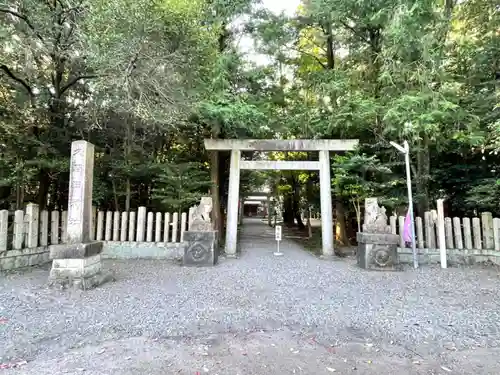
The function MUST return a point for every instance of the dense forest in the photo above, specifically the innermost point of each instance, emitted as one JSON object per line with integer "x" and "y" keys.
{"x": 147, "y": 80}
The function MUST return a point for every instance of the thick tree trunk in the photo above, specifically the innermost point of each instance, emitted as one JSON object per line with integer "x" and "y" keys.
{"x": 288, "y": 211}
{"x": 296, "y": 204}
{"x": 340, "y": 226}
{"x": 43, "y": 189}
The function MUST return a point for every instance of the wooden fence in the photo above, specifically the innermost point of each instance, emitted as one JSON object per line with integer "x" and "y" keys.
{"x": 460, "y": 233}
{"x": 32, "y": 228}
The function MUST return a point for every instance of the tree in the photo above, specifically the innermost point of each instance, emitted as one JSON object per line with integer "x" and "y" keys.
{"x": 181, "y": 185}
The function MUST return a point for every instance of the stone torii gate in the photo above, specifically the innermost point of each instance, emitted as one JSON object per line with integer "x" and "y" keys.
{"x": 324, "y": 146}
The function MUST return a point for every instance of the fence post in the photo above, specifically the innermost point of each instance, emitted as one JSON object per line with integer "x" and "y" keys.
{"x": 467, "y": 233}
{"x": 476, "y": 232}
{"x": 149, "y": 228}
{"x": 123, "y": 229}
{"x": 175, "y": 224}
{"x": 131, "y": 227}
{"x": 183, "y": 225}
{"x": 496, "y": 233}
{"x": 116, "y": 226}
{"x": 158, "y": 227}
{"x": 487, "y": 224}
{"x": 429, "y": 230}
{"x": 33, "y": 216}
{"x": 44, "y": 228}
{"x": 4, "y": 229}
{"x": 54, "y": 227}
{"x": 18, "y": 230}
{"x": 457, "y": 230}
{"x": 108, "y": 226}
{"x": 420, "y": 232}
{"x": 191, "y": 211}
{"x": 100, "y": 225}
{"x": 392, "y": 222}
{"x": 141, "y": 224}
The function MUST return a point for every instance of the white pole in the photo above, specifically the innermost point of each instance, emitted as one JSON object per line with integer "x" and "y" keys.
{"x": 410, "y": 204}
{"x": 406, "y": 151}
{"x": 441, "y": 235}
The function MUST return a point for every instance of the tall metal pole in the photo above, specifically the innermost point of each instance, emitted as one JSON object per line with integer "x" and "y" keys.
{"x": 410, "y": 204}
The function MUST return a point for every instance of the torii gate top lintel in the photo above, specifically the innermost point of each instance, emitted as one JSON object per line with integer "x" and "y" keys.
{"x": 281, "y": 144}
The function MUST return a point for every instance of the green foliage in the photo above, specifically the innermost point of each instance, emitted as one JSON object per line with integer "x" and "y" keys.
{"x": 147, "y": 81}
{"x": 181, "y": 185}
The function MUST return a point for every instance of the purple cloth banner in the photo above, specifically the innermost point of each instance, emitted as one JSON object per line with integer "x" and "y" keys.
{"x": 407, "y": 228}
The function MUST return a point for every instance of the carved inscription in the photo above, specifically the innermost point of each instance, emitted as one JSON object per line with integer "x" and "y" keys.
{"x": 76, "y": 186}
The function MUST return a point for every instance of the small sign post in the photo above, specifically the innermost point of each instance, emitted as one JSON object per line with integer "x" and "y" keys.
{"x": 277, "y": 234}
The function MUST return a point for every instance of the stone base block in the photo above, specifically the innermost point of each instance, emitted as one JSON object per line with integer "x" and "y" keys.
{"x": 378, "y": 257}
{"x": 75, "y": 250}
{"x": 201, "y": 248}
{"x": 83, "y": 273}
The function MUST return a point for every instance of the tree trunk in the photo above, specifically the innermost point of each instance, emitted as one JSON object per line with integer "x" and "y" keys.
{"x": 288, "y": 212}
{"x": 422, "y": 176}
{"x": 296, "y": 203}
{"x": 128, "y": 151}
{"x": 115, "y": 195}
{"x": 43, "y": 189}
{"x": 214, "y": 190}
{"x": 340, "y": 226}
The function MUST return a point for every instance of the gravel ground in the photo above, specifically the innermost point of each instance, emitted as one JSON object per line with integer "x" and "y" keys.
{"x": 259, "y": 314}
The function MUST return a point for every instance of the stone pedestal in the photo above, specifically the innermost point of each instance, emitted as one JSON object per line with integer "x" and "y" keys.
{"x": 77, "y": 266}
{"x": 378, "y": 251}
{"x": 77, "y": 263}
{"x": 377, "y": 246}
{"x": 202, "y": 248}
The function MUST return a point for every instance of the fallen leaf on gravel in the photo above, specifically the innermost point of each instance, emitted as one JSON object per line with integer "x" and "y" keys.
{"x": 446, "y": 369}
{"x": 4, "y": 366}
{"x": 331, "y": 369}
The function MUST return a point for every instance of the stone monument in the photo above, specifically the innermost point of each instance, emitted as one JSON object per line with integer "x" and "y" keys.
{"x": 201, "y": 240}
{"x": 77, "y": 263}
{"x": 377, "y": 246}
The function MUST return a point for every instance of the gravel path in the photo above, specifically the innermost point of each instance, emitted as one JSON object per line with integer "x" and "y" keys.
{"x": 259, "y": 314}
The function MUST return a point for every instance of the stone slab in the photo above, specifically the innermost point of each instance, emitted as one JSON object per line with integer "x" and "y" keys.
{"x": 455, "y": 257}
{"x": 75, "y": 250}
{"x": 79, "y": 222}
{"x": 201, "y": 248}
{"x": 281, "y": 144}
{"x": 143, "y": 250}
{"x": 79, "y": 273}
{"x": 29, "y": 257}
{"x": 377, "y": 238}
{"x": 282, "y": 165}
